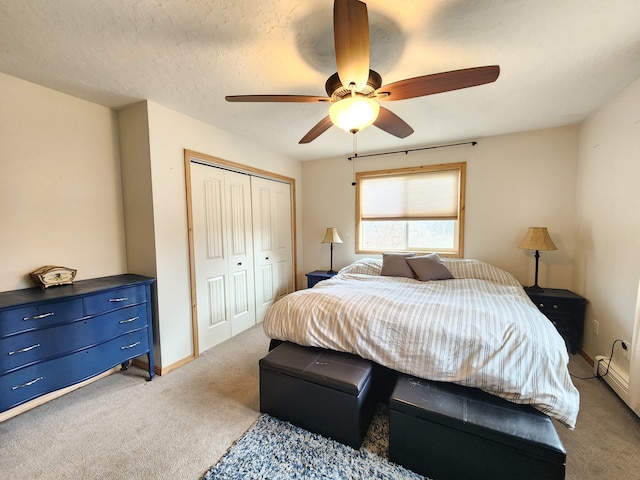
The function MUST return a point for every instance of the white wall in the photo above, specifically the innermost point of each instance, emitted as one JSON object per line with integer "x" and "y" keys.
{"x": 607, "y": 263}
{"x": 169, "y": 134}
{"x": 513, "y": 182}
{"x": 137, "y": 189}
{"x": 60, "y": 190}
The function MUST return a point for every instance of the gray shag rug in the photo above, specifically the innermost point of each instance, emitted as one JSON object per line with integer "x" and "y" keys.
{"x": 274, "y": 449}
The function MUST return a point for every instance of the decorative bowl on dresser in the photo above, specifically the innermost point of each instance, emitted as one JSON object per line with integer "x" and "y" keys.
{"x": 55, "y": 338}
{"x": 565, "y": 310}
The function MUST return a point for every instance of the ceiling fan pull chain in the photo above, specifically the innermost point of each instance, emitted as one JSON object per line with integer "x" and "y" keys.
{"x": 355, "y": 143}
{"x": 353, "y": 161}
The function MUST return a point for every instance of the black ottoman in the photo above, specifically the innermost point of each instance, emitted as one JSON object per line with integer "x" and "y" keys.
{"x": 319, "y": 390}
{"x": 446, "y": 431}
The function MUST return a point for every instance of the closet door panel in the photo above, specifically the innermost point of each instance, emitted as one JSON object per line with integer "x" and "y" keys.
{"x": 240, "y": 262}
{"x": 216, "y": 302}
{"x": 223, "y": 251}
{"x": 209, "y": 221}
{"x": 284, "y": 236}
{"x": 267, "y": 288}
{"x": 272, "y": 241}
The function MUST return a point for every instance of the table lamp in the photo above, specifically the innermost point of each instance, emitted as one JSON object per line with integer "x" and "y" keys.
{"x": 331, "y": 237}
{"x": 537, "y": 238}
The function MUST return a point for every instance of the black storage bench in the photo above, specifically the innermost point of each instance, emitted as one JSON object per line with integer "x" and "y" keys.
{"x": 322, "y": 391}
{"x": 447, "y": 431}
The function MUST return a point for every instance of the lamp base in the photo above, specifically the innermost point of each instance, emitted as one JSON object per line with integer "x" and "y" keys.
{"x": 332, "y": 271}
{"x": 535, "y": 289}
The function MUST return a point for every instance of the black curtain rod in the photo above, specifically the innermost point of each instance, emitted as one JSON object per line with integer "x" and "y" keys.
{"x": 473, "y": 144}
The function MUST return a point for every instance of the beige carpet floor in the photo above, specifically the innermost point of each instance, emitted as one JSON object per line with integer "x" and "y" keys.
{"x": 178, "y": 425}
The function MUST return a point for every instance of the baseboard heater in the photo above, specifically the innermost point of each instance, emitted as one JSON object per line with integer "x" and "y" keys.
{"x": 616, "y": 378}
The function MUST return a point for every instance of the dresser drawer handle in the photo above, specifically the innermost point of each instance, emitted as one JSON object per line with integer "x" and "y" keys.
{"x": 125, "y": 347}
{"x": 121, "y": 299}
{"x": 555, "y": 307}
{"x": 38, "y": 317}
{"x": 129, "y": 320}
{"x": 542, "y": 305}
{"x": 27, "y": 384}
{"x": 25, "y": 349}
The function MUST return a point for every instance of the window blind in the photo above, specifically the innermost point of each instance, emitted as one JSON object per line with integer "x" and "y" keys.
{"x": 411, "y": 196}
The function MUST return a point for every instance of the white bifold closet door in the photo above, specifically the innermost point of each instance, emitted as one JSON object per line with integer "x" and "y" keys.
{"x": 272, "y": 242}
{"x": 243, "y": 255}
{"x": 223, "y": 250}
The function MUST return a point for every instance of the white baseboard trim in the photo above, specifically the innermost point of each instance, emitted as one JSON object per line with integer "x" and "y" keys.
{"x": 616, "y": 378}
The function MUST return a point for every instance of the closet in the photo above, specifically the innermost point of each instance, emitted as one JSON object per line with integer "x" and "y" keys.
{"x": 241, "y": 240}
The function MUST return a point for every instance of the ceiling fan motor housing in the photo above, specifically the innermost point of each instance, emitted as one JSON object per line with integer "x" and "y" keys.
{"x": 337, "y": 91}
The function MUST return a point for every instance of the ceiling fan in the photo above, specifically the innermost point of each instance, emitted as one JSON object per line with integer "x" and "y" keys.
{"x": 354, "y": 89}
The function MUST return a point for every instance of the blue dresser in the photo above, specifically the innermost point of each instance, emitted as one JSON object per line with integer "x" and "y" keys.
{"x": 56, "y": 337}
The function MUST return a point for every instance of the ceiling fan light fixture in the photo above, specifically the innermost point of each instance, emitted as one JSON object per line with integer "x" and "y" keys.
{"x": 354, "y": 114}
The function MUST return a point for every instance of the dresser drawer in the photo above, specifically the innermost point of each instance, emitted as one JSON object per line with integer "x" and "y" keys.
{"x": 125, "y": 347}
{"x": 122, "y": 321}
{"x": 31, "y": 317}
{"x": 40, "y": 345}
{"x": 112, "y": 299}
{"x": 30, "y": 382}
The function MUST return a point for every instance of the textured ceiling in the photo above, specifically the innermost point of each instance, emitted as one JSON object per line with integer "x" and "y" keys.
{"x": 560, "y": 60}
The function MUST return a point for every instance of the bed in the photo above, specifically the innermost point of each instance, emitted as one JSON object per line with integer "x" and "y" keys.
{"x": 477, "y": 329}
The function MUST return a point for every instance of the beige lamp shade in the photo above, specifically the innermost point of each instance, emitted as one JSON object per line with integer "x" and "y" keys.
{"x": 332, "y": 236}
{"x": 537, "y": 238}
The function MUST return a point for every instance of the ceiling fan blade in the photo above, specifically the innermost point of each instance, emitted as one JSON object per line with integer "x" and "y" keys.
{"x": 393, "y": 124}
{"x": 321, "y": 127}
{"x": 351, "y": 39}
{"x": 275, "y": 98}
{"x": 438, "y": 83}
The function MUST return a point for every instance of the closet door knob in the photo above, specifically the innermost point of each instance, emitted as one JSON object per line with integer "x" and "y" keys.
{"x": 239, "y": 263}
{"x": 266, "y": 258}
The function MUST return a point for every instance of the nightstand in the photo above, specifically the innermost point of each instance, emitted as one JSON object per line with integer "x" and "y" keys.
{"x": 565, "y": 310}
{"x": 317, "y": 276}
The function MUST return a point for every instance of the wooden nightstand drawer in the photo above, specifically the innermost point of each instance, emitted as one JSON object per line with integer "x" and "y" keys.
{"x": 565, "y": 310}
{"x": 551, "y": 306}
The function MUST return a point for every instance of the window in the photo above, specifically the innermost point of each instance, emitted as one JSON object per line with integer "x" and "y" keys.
{"x": 417, "y": 209}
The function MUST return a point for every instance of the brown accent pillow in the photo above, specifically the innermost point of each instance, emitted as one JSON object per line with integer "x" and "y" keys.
{"x": 429, "y": 267}
{"x": 395, "y": 265}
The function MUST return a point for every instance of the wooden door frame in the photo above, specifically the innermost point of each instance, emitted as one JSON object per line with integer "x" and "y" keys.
{"x": 211, "y": 161}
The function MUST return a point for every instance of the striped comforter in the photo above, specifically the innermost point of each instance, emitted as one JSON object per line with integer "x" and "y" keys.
{"x": 479, "y": 329}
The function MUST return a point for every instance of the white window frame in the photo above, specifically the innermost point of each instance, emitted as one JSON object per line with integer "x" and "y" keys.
{"x": 458, "y": 250}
